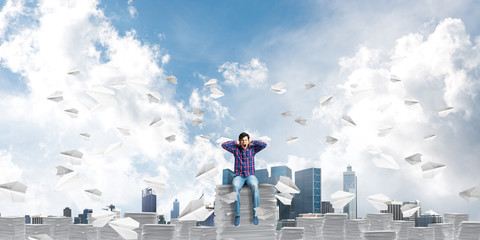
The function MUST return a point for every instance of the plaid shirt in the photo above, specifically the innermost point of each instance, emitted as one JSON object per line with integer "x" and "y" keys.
{"x": 244, "y": 158}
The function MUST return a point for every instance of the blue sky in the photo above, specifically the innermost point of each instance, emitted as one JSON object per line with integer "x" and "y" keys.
{"x": 348, "y": 49}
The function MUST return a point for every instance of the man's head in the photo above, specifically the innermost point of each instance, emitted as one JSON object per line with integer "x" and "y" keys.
{"x": 244, "y": 140}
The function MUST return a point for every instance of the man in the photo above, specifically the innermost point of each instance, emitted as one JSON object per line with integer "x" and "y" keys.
{"x": 244, "y": 152}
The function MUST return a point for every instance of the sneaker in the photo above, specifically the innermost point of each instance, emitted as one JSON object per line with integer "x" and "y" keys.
{"x": 255, "y": 220}
{"x": 237, "y": 221}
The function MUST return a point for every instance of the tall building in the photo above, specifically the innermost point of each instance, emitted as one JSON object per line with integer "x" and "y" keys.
{"x": 67, "y": 212}
{"x": 309, "y": 199}
{"x": 350, "y": 185}
{"x": 28, "y": 219}
{"x": 284, "y": 211}
{"x": 394, "y": 207}
{"x": 37, "y": 219}
{"x": 149, "y": 200}
{"x": 261, "y": 174}
{"x": 176, "y": 210}
{"x": 327, "y": 207}
{"x": 228, "y": 176}
{"x": 87, "y": 214}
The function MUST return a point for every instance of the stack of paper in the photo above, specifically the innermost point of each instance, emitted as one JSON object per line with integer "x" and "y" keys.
{"x": 312, "y": 225}
{"x": 203, "y": 233}
{"x": 291, "y": 233}
{"x": 36, "y": 229}
{"x": 12, "y": 228}
{"x": 142, "y": 218}
{"x": 469, "y": 230}
{"x": 456, "y": 219}
{"x": 82, "y": 232}
{"x": 379, "y": 221}
{"x": 420, "y": 233}
{"x": 182, "y": 228}
{"x": 224, "y": 214}
{"x": 108, "y": 233}
{"x": 158, "y": 232}
{"x": 442, "y": 231}
{"x": 60, "y": 226}
{"x": 354, "y": 228}
{"x": 334, "y": 226}
{"x": 401, "y": 227}
{"x": 380, "y": 235}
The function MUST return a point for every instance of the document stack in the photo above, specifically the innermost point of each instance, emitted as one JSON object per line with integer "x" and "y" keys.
{"x": 143, "y": 218}
{"x": 82, "y": 232}
{"x": 182, "y": 228}
{"x": 420, "y": 233}
{"x": 292, "y": 233}
{"x": 312, "y": 225}
{"x": 12, "y": 228}
{"x": 442, "y": 231}
{"x": 380, "y": 235}
{"x": 107, "y": 233}
{"x": 456, "y": 219}
{"x": 354, "y": 228}
{"x": 158, "y": 232}
{"x": 203, "y": 233}
{"x": 36, "y": 229}
{"x": 469, "y": 230}
{"x": 379, "y": 221}
{"x": 401, "y": 227}
{"x": 224, "y": 214}
{"x": 60, "y": 226}
{"x": 334, "y": 226}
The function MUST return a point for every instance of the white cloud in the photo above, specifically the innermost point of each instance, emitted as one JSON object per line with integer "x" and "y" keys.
{"x": 254, "y": 73}
{"x": 12, "y": 171}
{"x": 131, "y": 9}
{"x": 11, "y": 9}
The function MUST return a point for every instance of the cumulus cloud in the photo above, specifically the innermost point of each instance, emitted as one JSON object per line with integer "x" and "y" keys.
{"x": 254, "y": 73}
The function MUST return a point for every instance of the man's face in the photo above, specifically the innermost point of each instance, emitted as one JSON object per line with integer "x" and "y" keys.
{"x": 244, "y": 142}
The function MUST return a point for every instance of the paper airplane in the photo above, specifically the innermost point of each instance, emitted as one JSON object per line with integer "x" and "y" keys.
{"x": 156, "y": 183}
{"x": 102, "y": 217}
{"x": 124, "y": 131}
{"x": 361, "y": 93}
{"x": 384, "y": 131}
{"x": 384, "y": 106}
{"x": 195, "y": 210}
{"x": 325, "y": 100}
{"x": 211, "y": 83}
{"x": 94, "y": 194}
{"x": 279, "y": 88}
{"x": 379, "y": 201}
{"x": 471, "y": 194}
{"x": 385, "y": 161}
{"x": 341, "y": 198}
{"x": 198, "y": 112}
{"x": 414, "y": 159}
{"x": 353, "y": 85}
{"x": 348, "y": 121}
{"x": 429, "y": 137}
{"x": 409, "y": 209}
{"x": 286, "y": 185}
{"x": 207, "y": 171}
{"x": 330, "y": 139}
{"x": 292, "y": 140}
{"x": 112, "y": 147}
{"x": 154, "y": 97}
{"x": 204, "y": 138}
{"x": 286, "y": 114}
{"x": 156, "y": 122}
{"x": 125, "y": 227}
{"x": 265, "y": 139}
{"x": 74, "y": 157}
{"x": 215, "y": 93}
{"x": 394, "y": 79}
{"x": 74, "y": 72}
{"x": 285, "y": 198}
{"x": 39, "y": 237}
{"x": 431, "y": 169}
{"x": 118, "y": 83}
{"x": 61, "y": 170}
{"x": 14, "y": 191}
{"x": 309, "y": 85}
{"x": 170, "y": 138}
{"x": 410, "y": 102}
{"x": 263, "y": 213}
{"x": 196, "y": 121}
{"x": 444, "y": 111}
{"x": 70, "y": 181}
{"x": 172, "y": 79}
{"x": 72, "y": 112}
{"x": 85, "y": 136}
{"x": 229, "y": 197}
{"x": 301, "y": 121}
{"x": 57, "y": 96}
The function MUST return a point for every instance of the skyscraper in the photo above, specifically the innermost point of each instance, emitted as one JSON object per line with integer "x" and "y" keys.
{"x": 261, "y": 174}
{"x": 327, "y": 207}
{"x": 309, "y": 199}
{"x": 350, "y": 185}
{"x": 67, "y": 212}
{"x": 149, "y": 200}
{"x": 228, "y": 176}
{"x": 278, "y": 171}
{"x": 176, "y": 210}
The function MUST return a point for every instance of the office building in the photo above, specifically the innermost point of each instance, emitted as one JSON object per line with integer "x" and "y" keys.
{"x": 228, "y": 176}
{"x": 327, "y": 207}
{"x": 262, "y": 175}
{"x": 284, "y": 211}
{"x": 425, "y": 219}
{"x": 28, "y": 219}
{"x": 309, "y": 199}
{"x": 394, "y": 207}
{"x": 37, "y": 219}
{"x": 350, "y": 185}
{"x": 86, "y": 216}
{"x": 67, "y": 212}
{"x": 281, "y": 171}
{"x": 149, "y": 200}
{"x": 161, "y": 219}
{"x": 176, "y": 210}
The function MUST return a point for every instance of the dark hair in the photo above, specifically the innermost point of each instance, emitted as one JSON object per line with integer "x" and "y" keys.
{"x": 242, "y": 135}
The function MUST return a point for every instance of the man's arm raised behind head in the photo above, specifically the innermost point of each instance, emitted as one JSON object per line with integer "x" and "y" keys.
{"x": 230, "y": 146}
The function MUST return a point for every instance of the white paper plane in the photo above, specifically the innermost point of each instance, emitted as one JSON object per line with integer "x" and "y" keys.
{"x": 207, "y": 171}
{"x": 292, "y": 140}
{"x": 39, "y": 237}
{"x": 279, "y": 88}
{"x": 57, "y": 96}
{"x": 70, "y": 181}
{"x": 444, "y": 111}
{"x": 429, "y": 137}
{"x": 394, "y": 79}
{"x": 348, "y": 121}
{"x": 330, "y": 139}
{"x": 204, "y": 138}
{"x": 216, "y": 93}
{"x": 85, "y": 136}
{"x": 263, "y": 213}
{"x": 156, "y": 122}
{"x": 14, "y": 191}
{"x": 118, "y": 83}
{"x": 172, "y": 79}
{"x": 61, "y": 170}
{"x": 301, "y": 121}
{"x": 325, "y": 100}
{"x": 195, "y": 210}
{"x": 125, "y": 227}
{"x": 111, "y": 148}
{"x": 229, "y": 197}
{"x": 431, "y": 169}
{"x": 471, "y": 194}
{"x": 74, "y": 72}
{"x": 409, "y": 209}
{"x": 94, "y": 194}
{"x": 285, "y": 198}
{"x": 414, "y": 159}
{"x": 74, "y": 157}
{"x": 286, "y": 185}
{"x": 154, "y": 96}
{"x": 196, "y": 122}
{"x": 72, "y": 112}
{"x": 286, "y": 114}
{"x": 341, "y": 198}
{"x": 157, "y": 184}
{"x": 124, "y": 131}
{"x": 385, "y": 161}
{"x": 211, "y": 83}
{"x": 198, "y": 112}
{"x": 170, "y": 138}
{"x": 410, "y": 102}
{"x": 102, "y": 217}
{"x": 384, "y": 131}
{"x": 309, "y": 85}
{"x": 379, "y": 201}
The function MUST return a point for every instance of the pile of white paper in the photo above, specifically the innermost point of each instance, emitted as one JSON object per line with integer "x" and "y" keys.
{"x": 312, "y": 225}
{"x": 158, "y": 232}
{"x": 456, "y": 219}
{"x": 37, "y": 229}
{"x": 82, "y": 232}
{"x": 354, "y": 228}
{"x": 292, "y": 233}
{"x": 203, "y": 233}
{"x": 182, "y": 228}
{"x": 379, "y": 221}
{"x": 108, "y": 233}
{"x": 401, "y": 227}
{"x": 60, "y": 226}
{"x": 442, "y": 231}
{"x": 380, "y": 235}
{"x": 469, "y": 230}
{"x": 142, "y": 218}
{"x": 420, "y": 233}
{"x": 12, "y": 228}
{"x": 334, "y": 226}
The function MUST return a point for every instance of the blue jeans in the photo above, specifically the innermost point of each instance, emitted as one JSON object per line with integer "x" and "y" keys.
{"x": 237, "y": 183}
